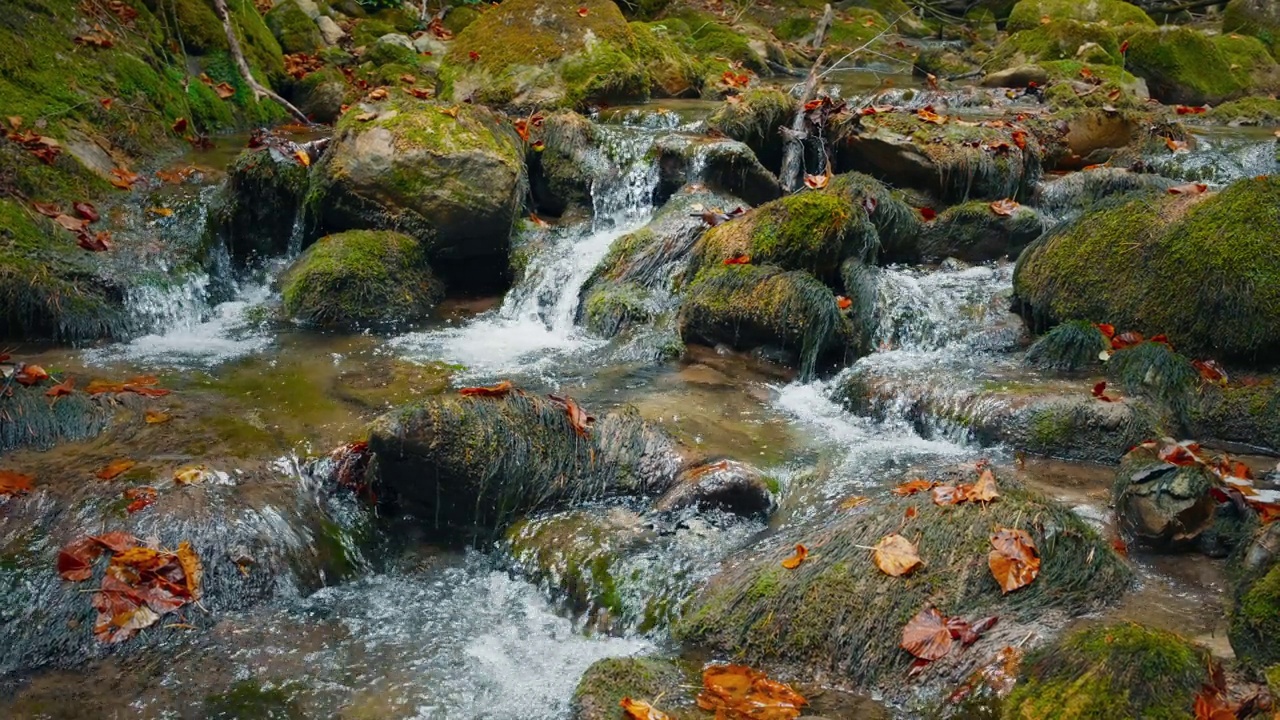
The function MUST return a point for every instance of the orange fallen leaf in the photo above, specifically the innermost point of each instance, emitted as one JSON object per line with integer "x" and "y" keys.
{"x": 1005, "y": 207}
{"x": 450, "y": 111}
{"x": 376, "y": 94}
{"x": 1176, "y": 145}
{"x": 116, "y": 468}
{"x": 1188, "y": 110}
{"x": 66, "y": 387}
{"x": 224, "y": 90}
{"x": 926, "y": 635}
{"x": 816, "y": 182}
{"x": 155, "y": 417}
{"x": 502, "y": 389}
{"x": 896, "y": 556}
{"x": 1211, "y": 371}
{"x": 797, "y": 558}
{"x": 579, "y": 419}
{"x": 161, "y": 211}
{"x": 1188, "y": 189}
{"x": 641, "y": 710}
{"x": 738, "y": 260}
{"x": 843, "y": 302}
{"x": 912, "y": 487}
{"x": 139, "y": 498}
{"x": 14, "y": 483}
{"x": 191, "y": 569}
{"x": 737, "y": 692}
{"x": 582, "y": 12}
{"x": 984, "y": 490}
{"x": 929, "y": 116}
{"x": 949, "y": 495}
{"x": 1014, "y": 559}
{"x": 193, "y": 475}
{"x": 29, "y": 375}
{"x": 1100, "y": 392}
{"x": 854, "y": 502}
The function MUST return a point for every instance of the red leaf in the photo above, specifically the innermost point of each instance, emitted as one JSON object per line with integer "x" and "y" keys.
{"x": 475, "y": 56}
{"x": 578, "y": 418}
{"x": 1020, "y": 139}
{"x": 75, "y": 561}
{"x": 1124, "y": 47}
{"x": 1107, "y": 330}
{"x": 582, "y": 12}
{"x": 1005, "y": 207}
{"x": 29, "y": 375}
{"x": 843, "y": 302}
{"x": 139, "y": 498}
{"x": 1185, "y": 110}
{"x": 1188, "y": 189}
{"x": 1211, "y": 371}
{"x": 926, "y": 635}
{"x": 86, "y": 211}
{"x": 816, "y": 182}
{"x": 738, "y": 260}
{"x": 14, "y": 483}
{"x": 179, "y": 126}
{"x": 1126, "y": 339}
{"x": 502, "y": 389}
{"x": 1099, "y": 391}
{"x": 928, "y": 213}
{"x": 66, "y": 387}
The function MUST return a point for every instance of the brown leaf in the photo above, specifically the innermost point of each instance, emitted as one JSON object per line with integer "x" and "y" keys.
{"x": 737, "y": 692}
{"x": 116, "y": 468}
{"x": 139, "y": 498}
{"x": 14, "y": 483}
{"x": 793, "y": 562}
{"x": 926, "y": 635}
{"x": 86, "y": 211}
{"x": 502, "y": 389}
{"x": 949, "y": 495}
{"x": 116, "y": 541}
{"x": 75, "y": 560}
{"x": 192, "y": 570}
{"x": 179, "y": 126}
{"x": 641, "y": 710}
{"x": 1005, "y": 207}
{"x": 579, "y": 420}
{"x": 192, "y": 475}
{"x": 72, "y": 224}
{"x": 376, "y": 94}
{"x": 1014, "y": 559}
{"x": 29, "y": 375}
{"x": 450, "y": 111}
{"x": 984, "y": 490}
{"x": 911, "y": 487}
{"x": 896, "y": 556}
{"x": 366, "y": 117}
{"x": 927, "y": 115}
{"x": 854, "y": 502}
{"x": 224, "y": 90}
{"x": 66, "y": 387}
{"x": 47, "y": 209}
{"x": 155, "y": 417}
{"x": 1188, "y": 189}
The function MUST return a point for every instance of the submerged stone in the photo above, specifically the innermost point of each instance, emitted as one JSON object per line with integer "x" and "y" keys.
{"x": 722, "y": 485}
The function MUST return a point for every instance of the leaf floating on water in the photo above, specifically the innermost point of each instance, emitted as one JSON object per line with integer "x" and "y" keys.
{"x": 116, "y": 468}
{"x": 738, "y": 692}
{"x": 1014, "y": 559}
{"x": 896, "y": 556}
{"x": 502, "y": 389}
{"x": 926, "y": 635}
{"x": 641, "y": 710}
{"x": 797, "y": 558}
{"x": 14, "y": 483}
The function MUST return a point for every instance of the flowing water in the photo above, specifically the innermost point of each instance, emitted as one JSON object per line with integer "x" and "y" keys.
{"x": 430, "y": 633}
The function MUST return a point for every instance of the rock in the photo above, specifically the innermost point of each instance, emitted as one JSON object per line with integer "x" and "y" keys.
{"x": 1257, "y": 18}
{"x": 1248, "y": 414}
{"x": 259, "y": 213}
{"x": 606, "y": 682}
{"x": 972, "y": 232}
{"x": 951, "y": 161}
{"x": 1063, "y": 39}
{"x": 429, "y": 43}
{"x": 295, "y": 30}
{"x": 360, "y": 278}
{"x": 321, "y": 95}
{"x": 722, "y": 165}
{"x": 399, "y": 40}
{"x": 469, "y": 466}
{"x": 1020, "y": 76}
{"x": 562, "y": 175}
{"x": 1074, "y": 193}
{"x": 673, "y": 72}
{"x": 535, "y": 53}
{"x": 726, "y": 485}
{"x": 1209, "y": 298}
{"x": 1113, "y": 671}
{"x": 1183, "y": 66}
{"x": 829, "y": 615}
{"x": 308, "y": 7}
{"x": 896, "y": 221}
{"x": 452, "y": 183}
{"x": 1248, "y": 111}
{"x": 755, "y": 121}
{"x": 765, "y": 307}
{"x": 1255, "y": 613}
{"x": 1165, "y": 506}
{"x": 1026, "y": 14}
{"x": 29, "y": 419}
{"x": 329, "y": 30}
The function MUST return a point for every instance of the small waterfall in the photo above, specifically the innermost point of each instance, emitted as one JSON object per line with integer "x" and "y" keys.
{"x": 534, "y": 330}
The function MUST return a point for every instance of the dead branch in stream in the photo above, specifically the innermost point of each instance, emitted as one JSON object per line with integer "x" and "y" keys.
{"x": 259, "y": 92}
{"x": 792, "y": 170}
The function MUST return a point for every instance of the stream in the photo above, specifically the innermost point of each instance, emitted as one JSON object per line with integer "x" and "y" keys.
{"x": 436, "y": 633}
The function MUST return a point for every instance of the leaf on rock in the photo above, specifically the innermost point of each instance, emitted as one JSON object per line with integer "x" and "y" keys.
{"x": 928, "y": 115}
{"x": 192, "y": 570}
{"x": 816, "y": 182}
{"x": 86, "y": 211}
{"x": 29, "y": 375}
{"x": 738, "y": 260}
{"x": 641, "y": 710}
{"x": 926, "y": 636}
{"x": 843, "y": 302}
{"x": 1211, "y": 371}
{"x": 1014, "y": 559}
{"x": 928, "y": 213}
{"x": 948, "y": 495}
{"x": 502, "y": 389}
{"x": 71, "y": 224}
{"x": 14, "y": 483}
{"x": 1004, "y": 208}
{"x": 1100, "y": 392}
{"x": 896, "y": 556}
{"x": 579, "y": 419}
{"x": 116, "y": 468}
{"x": 224, "y": 90}
{"x": 116, "y": 541}
{"x": 1188, "y": 189}
{"x": 139, "y": 498}
{"x": 911, "y": 487}
{"x": 193, "y": 475}
{"x": 854, "y": 502}
{"x": 155, "y": 417}
{"x": 75, "y": 560}
{"x": 66, "y": 387}
{"x": 738, "y": 692}
{"x": 793, "y": 562}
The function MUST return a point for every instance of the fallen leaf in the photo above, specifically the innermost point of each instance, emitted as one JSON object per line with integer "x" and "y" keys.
{"x": 1176, "y": 146}
{"x": 1004, "y": 208}
{"x": 984, "y": 490}
{"x": 115, "y": 469}
{"x": 193, "y": 475}
{"x": 502, "y": 389}
{"x": 1124, "y": 47}
{"x": 579, "y": 420}
{"x": 420, "y": 93}
{"x": 29, "y": 375}
{"x": 641, "y": 710}
{"x": 538, "y": 146}
{"x": 912, "y": 487}
{"x": 450, "y": 111}
{"x": 582, "y": 12}
{"x": 474, "y": 56}
{"x": 793, "y": 562}
{"x": 75, "y": 560}
{"x": 815, "y": 182}
{"x": 139, "y": 498}
{"x": 843, "y": 302}
{"x": 303, "y": 157}
{"x": 14, "y": 483}
{"x": 738, "y": 260}
{"x": 737, "y": 692}
{"x": 1187, "y": 110}
{"x": 1014, "y": 559}
{"x": 98, "y": 242}
{"x": 926, "y": 635}
{"x": 86, "y": 211}
{"x": 66, "y": 387}
{"x": 366, "y": 117}
{"x": 72, "y": 224}
{"x": 116, "y": 541}
{"x": 161, "y": 211}
{"x": 179, "y": 126}
{"x": 928, "y": 213}
{"x": 408, "y": 79}
{"x": 1211, "y": 371}
{"x": 896, "y": 556}
{"x": 1020, "y": 139}
{"x": 949, "y": 495}
{"x": 123, "y": 179}
{"x": 192, "y": 570}
{"x": 1126, "y": 339}
{"x": 854, "y": 502}
{"x": 910, "y": 513}
{"x": 47, "y": 209}
{"x": 1188, "y": 189}
{"x": 1099, "y": 391}
{"x": 929, "y": 116}
{"x": 376, "y": 94}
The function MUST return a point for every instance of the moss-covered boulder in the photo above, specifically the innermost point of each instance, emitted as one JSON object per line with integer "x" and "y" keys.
{"x": 1255, "y": 611}
{"x": 1110, "y": 671}
{"x": 562, "y": 175}
{"x": 726, "y": 485}
{"x": 263, "y": 196}
{"x": 952, "y": 161}
{"x": 1256, "y": 18}
{"x": 755, "y": 121}
{"x": 451, "y": 182}
{"x": 606, "y": 682}
{"x": 672, "y": 70}
{"x": 720, "y": 164}
{"x": 1064, "y": 39}
{"x": 1239, "y": 412}
{"x": 294, "y": 29}
{"x": 838, "y": 613}
{"x": 1197, "y": 268}
{"x": 1164, "y": 505}
{"x": 535, "y": 53}
{"x": 28, "y": 419}
{"x": 1118, "y": 14}
{"x": 321, "y": 94}
{"x": 469, "y": 466}
{"x": 1184, "y": 66}
{"x": 973, "y": 232}
{"x": 1074, "y": 193}
{"x": 1248, "y": 111}
{"x": 898, "y": 224}
{"x": 360, "y": 278}
{"x": 765, "y": 307}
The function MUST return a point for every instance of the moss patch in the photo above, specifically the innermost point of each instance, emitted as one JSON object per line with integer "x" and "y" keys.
{"x": 1116, "y": 13}
{"x": 1182, "y": 65}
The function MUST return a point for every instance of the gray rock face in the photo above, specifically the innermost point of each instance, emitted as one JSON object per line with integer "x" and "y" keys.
{"x": 1165, "y": 505}
{"x": 725, "y": 485}
{"x": 329, "y": 30}
{"x": 722, "y": 165}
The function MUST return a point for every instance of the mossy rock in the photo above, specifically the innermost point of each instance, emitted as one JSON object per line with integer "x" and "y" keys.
{"x": 720, "y": 164}
{"x": 535, "y": 53}
{"x": 1254, "y": 615}
{"x": 249, "y": 700}
{"x": 972, "y": 232}
{"x": 1200, "y": 269}
{"x": 1116, "y": 13}
{"x": 29, "y": 419}
{"x": 1248, "y": 111}
{"x": 1110, "y": 671}
{"x": 468, "y": 467}
{"x": 1163, "y": 505}
{"x": 952, "y": 162}
{"x": 562, "y": 175}
{"x": 1069, "y": 346}
{"x": 1184, "y": 66}
{"x": 1238, "y": 413}
{"x": 607, "y": 681}
{"x": 1063, "y": 39}
{"x": 673, "y": 72}
{"x": 1251, "y": 62}
{"x": 763, "y": 307}
{"x": 459, "y": 18}
{"x": 263, "y": 196}
{"x": 454, "y": 183}
{"x": 755, "y": 121}
{"x": 321, "y": 94}
{"x": 392, "y": 49}
{"x": 295, "y": 31}
{"x": 897, "y": 222}
{"x": 1257, "y": 18}
{"x": 838, "y": 613}
{"x": 706, "y": 36}
{"x": 1075, "y": 193}
{"x": 360, "y": 278}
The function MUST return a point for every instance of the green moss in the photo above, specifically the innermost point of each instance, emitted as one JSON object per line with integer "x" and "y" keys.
{"x": 1243, "y": 413}
{"x": 850, "y": 34}
{"x": 972, "y": 232}
{"x": 358, "y": 278}
{"x": 293, "y": 29}
{"x": 609, "y": 308}
{"x": 1248, "y": 111}
{"x": 251, "y": 700}
{"x": 1070, "y": 346}
{"x": 1111, "y": 672}
{"x": 795, "y": 27}
{"x": 459, "y": 18}
{"x": 366, "y": 32}
{"x": 707, "y": 37}
{"x": 1182, "y": 65}
{"x": 1203, "y": 270}
{"x": 1156, "y": 371}
{"x": 1059, "y": 40}
{"x": 1254, "y": 18}
{"x": 390, "y": 53}
{"x": 755, "y": 121}
{"x": 606, "y": 682}
{"x": 1255, "y": 621}
{"x": 1116, "y": 13}
{"x": 811, "y": 231}
{"x": 603, "y": 72}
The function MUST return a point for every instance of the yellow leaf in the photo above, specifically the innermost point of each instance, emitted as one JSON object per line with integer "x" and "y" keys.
{"x": 193, "y": 475}
{"x": 160, "y": 211}
{"x": 794, "y": 561}
{"x": 896, "y": 556}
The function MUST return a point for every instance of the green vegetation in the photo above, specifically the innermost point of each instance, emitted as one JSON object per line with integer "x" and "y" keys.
{"x": 1115, "y": 13}
{"x": 1069, "y": 346}
{"x": 1182, "y": 65}
{"x": 1255, "y": 620}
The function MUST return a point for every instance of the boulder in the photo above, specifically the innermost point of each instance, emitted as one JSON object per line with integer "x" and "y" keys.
{"x": 1240, "y": 413}
{"x": 1166, "y": 506}
{"x": 726, "y": 485}
{"x": 453, "y": 183}
{"x": 1256, "y": 18}
{"x": 1200, "y": 268}
{"x": 1248, "y": 111}
{"x": 607, "y": 681}
{"x": 561, "y": 176}
{"x": 1110, "y": 671}
{"x": 755, "y": 121}
{"x": 329, "y": 30}
{"x": 1184, "y": 66}
{"x": 296, "y": 32}
{"x": 1064, "y": 39}
{"x": 1255, "y": 613}
{"x": 259, "y": 216}
{"x": 467, "y": 467}
{"x": 972, "y": 232}
{"x": 720, "y": 164}
{"x": 1027, "y": 14}
{"x": 360, "y": 278}
{"x": 837, "y": 613}
{"x": 321, "y": 95}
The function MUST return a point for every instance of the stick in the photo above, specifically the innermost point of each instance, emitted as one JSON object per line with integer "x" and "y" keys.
{"x": 864, "y": 46}
{"x": 828, "y": 15}
{"x": 792, "y": 168}
{"x": 259, "y": 92}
